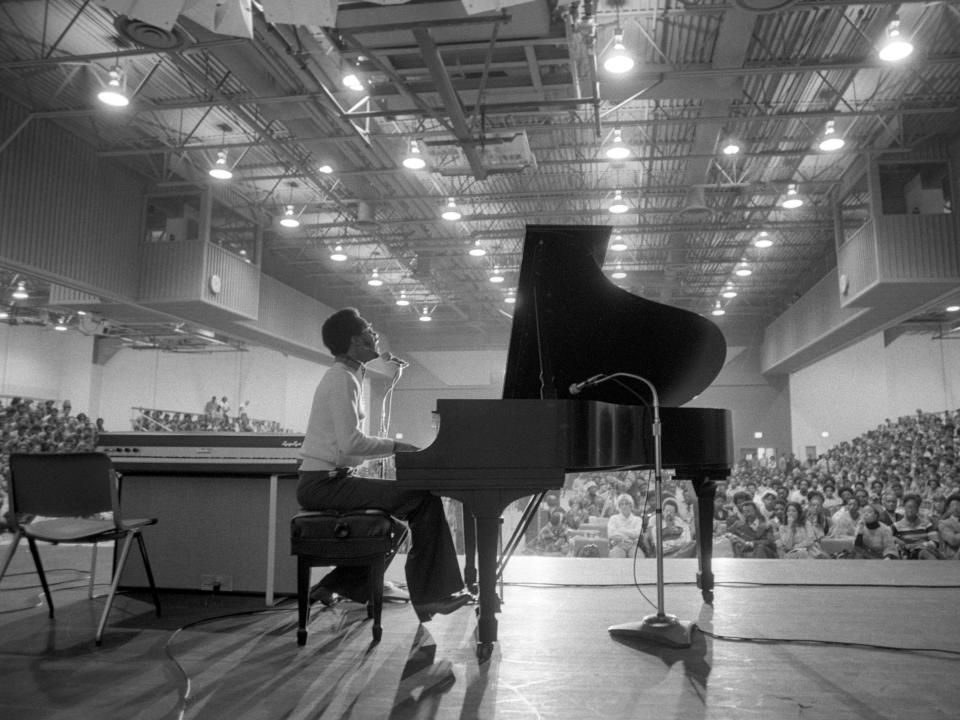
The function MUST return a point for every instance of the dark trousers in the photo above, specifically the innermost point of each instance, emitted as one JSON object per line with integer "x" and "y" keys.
{"x": 432, "y": 570}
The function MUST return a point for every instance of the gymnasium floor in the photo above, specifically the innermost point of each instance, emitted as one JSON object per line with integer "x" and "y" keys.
{"x": 814, "y": 628}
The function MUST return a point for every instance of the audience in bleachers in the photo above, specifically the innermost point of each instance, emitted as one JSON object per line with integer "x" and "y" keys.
{"x": 215, "y": 420}
{"x": 900, "y": 480}
{"x": 39, "y": 426}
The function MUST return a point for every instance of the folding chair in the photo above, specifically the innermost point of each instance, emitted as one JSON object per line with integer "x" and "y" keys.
{"x": 62, "y": 499}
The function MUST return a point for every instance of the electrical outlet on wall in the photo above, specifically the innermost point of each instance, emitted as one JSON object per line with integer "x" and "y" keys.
{"x": 216, "y": 583}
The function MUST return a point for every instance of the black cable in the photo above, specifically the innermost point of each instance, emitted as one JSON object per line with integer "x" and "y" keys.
{"x": 813, "y": 641}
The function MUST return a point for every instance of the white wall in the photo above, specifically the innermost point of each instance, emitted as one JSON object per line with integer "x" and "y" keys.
{"x": 279, "y": 387}
{"x": 42, "y": 363}
{"x": 857, "y": 388}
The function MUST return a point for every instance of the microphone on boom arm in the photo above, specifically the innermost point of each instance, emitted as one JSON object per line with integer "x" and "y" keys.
{"x": 577, "y": 388}
{"x": 399, "y": 362}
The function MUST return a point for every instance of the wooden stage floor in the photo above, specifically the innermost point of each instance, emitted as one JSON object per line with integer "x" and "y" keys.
{"x": 810, "y": 624}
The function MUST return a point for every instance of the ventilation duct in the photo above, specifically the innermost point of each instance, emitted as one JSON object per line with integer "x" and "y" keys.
{"x": 695, "y": 205}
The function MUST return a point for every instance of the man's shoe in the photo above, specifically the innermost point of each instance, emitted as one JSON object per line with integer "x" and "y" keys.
{"x": 325, "y": 596}
{"x": 445, "y": 606}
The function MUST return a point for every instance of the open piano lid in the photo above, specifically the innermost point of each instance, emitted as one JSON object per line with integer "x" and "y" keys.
{"x": 571, "y": 323}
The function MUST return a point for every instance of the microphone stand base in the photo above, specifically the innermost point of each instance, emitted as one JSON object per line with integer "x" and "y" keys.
{"x": 662, "y": 629}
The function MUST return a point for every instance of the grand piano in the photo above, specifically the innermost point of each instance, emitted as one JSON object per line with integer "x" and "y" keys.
{"x": 572, "y": 324}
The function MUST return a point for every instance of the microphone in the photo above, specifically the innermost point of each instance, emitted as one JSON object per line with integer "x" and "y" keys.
{"x": 577, "y": 388}
{"x": 399, "y": 362}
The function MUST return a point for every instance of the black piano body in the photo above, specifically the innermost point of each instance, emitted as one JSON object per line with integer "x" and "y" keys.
{"x": 571, "y": 323}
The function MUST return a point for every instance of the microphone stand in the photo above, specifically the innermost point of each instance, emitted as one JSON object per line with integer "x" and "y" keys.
{"x": 386, "y": 405}
{"x": 661, "y": 627}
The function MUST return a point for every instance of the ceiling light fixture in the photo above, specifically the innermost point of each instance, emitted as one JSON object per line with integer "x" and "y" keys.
{"x": 402, "y": 301}
{"x": 425, "y": 316}
{"x": 743, "y": 270}
{"x": 450, "y": 212}
{"x": 511, "y": 297}
{"x": 718, "y": 310}
{"x": 953, "y": 308}
{"x": 352, "y": 82}
{"x": 351, "y": 78}
{"x": 221, "y": 171}
{"x": 289, "y": 219}
{"x": 476, "y": 250}
{"x": 338, "y": 255}
{"x": 617, "y": 150}
{"x": 325, "y": 169}
{"x": 618, "y": 245}
{"x": 731, "y": 146}
{"x": 496, "y": 277}
{"x": 61, "y": 325}
{"x": 830, "y": 141}
{"x": 895, "y": 46}
{"x": 618, "y": 206}
{"x": 4, "y": 314}
{"x": 618, "y": 61}
{"x": 414, "y": 160}
{"x": 375, "y": 280}
{"x": 21, "y": 292}
{"x": 763, "y": 240}
{"x": 115, "y": 94}
{"x": 793, "y": 200}
{"x": 728, "y": 293}
{"x": 618, "y": 272}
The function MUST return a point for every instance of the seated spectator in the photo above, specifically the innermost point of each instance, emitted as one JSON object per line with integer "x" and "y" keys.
{"x": 845, "y": 523}
{"x": 798, "y": 539}
{"x": 949, "y": 529}
{"x": 889, "y": 513}
{"x": 624, "y": 529}
{"x": 915, "y": 536}
{"x": 815, "y": 514}
{"x": 874, "y": 540}
{"x": 552, "y": 538}
{"x": 768, "y": 506}
{"x": 831, "y": 501}
{"x": 749, "y": 535}
{"x": 676, "y": 538}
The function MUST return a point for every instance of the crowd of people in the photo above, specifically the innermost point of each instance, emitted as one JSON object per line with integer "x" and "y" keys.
{"x": 216, "y": 417}
{"x": 893, "y": 492}
{"x": 41, "y": 426}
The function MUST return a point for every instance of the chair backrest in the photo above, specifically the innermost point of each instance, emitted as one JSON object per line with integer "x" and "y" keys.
{"x": 67, "y": 485}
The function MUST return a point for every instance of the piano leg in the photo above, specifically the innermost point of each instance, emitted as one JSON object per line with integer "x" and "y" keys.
{"x": 469, "y": 550}
{"x": 488, "y": 532}
{"x": 706, "y": 490}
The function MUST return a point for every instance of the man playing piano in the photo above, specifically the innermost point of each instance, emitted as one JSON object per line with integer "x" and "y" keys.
{"x": 335, "y": 444}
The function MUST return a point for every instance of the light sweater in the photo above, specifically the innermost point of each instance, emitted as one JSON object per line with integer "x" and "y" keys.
{"x": 334, "y": 436}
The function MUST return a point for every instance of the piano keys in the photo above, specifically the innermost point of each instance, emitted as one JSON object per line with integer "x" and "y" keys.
{"x": 571, "y": 323}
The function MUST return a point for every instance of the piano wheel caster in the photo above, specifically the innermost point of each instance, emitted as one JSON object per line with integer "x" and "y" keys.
{"x": 484, "y": 651}
{"x": 708, "y": 597}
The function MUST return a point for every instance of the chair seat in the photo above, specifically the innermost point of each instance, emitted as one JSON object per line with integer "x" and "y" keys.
{"x": 77, "y": 529}
{"x": 358, "y": 537}
{"x": 341, "y": 536}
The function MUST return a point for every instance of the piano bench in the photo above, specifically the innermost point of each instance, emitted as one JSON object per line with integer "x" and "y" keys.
{"x": 351, "y": 538}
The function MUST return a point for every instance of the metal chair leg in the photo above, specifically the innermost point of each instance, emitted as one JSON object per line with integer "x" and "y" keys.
{"x": 43, "y": 577}
{"x": 127, "y": 540}
{"x": 13, "y": 549}
{"x": 93, "y": 569}
{"x": 146, "y": 567}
